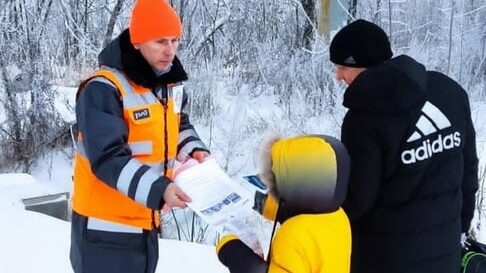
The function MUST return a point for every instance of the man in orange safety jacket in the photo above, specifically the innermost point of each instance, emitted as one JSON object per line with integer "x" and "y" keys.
{"x": 131, "y": 129}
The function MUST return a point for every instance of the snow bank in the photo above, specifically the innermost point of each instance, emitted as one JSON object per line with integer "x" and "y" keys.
{"x": 36, "y": 243}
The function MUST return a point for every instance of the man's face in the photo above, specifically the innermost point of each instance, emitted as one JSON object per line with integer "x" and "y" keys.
{"x": 347, "y": 74}
{"x": 159, "y": 53}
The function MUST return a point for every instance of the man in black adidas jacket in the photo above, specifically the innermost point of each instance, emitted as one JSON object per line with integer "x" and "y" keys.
{"x": 413, "y": 157}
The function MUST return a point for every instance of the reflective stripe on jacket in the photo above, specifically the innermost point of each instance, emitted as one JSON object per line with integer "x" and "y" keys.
{"x": 152, "y": 138}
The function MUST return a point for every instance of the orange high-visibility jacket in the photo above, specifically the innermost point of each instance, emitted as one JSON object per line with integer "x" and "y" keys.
{"x": 153, "y": 138}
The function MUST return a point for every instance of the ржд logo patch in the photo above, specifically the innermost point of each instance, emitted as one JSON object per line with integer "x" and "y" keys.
{"x": 141, "y": 114}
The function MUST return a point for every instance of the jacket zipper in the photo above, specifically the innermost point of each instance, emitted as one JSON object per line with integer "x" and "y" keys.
{"x": 163, "y": 101}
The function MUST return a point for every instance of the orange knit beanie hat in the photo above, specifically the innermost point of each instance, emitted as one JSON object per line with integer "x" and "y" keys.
{"x": 152, "y": 19}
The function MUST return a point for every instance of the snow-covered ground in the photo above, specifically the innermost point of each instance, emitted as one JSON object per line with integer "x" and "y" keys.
{"x": 31, "y": 242}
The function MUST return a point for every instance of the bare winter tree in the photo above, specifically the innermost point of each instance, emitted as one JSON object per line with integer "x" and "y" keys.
{"x": 253, "y": 46}
{"x": 111, "y": 23}
{"x": 32, "y": 123}
{"x": 309, "y": 7}
{"x": 353, "y": 5}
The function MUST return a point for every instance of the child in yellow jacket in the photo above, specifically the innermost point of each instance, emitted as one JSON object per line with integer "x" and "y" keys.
{"x": 307, "y": 179}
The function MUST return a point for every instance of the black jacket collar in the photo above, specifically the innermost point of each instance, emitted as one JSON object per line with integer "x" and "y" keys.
{"x": 393, "y": 86}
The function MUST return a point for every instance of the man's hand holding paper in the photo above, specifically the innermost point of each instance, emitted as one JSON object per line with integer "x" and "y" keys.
{"x": 218, "y": 200}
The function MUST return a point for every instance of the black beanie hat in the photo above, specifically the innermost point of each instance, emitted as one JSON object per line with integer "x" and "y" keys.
{"x": 360, "y": 44}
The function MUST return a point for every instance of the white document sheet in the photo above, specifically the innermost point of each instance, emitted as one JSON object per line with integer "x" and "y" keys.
{"x": 215, "y": 197}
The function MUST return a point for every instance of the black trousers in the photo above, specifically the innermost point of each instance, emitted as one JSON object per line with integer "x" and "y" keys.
{"x": 102, "y": 251}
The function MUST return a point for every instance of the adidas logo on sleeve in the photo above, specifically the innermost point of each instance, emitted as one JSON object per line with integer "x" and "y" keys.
{"x": 431, "y": 121}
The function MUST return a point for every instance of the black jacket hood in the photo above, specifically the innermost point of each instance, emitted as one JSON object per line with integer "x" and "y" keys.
{"x": 121, "y": 54}
{"x": 391, "y": 87}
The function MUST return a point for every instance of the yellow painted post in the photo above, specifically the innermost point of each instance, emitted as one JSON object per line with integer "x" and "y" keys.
{"x": 323, "y": 19}
{"x": 333, "y": 15}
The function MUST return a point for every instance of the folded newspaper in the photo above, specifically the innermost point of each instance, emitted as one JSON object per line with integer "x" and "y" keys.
{"x": 218, "y": 200}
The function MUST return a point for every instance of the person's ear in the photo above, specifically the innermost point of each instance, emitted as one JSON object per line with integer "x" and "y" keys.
{"x": 137, "y": 47}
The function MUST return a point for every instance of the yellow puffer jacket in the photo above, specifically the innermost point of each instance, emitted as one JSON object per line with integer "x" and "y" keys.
{"x": 307, "y": 180}
{"x": 312, "y": 243}
{"x": 307, "y": 243}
